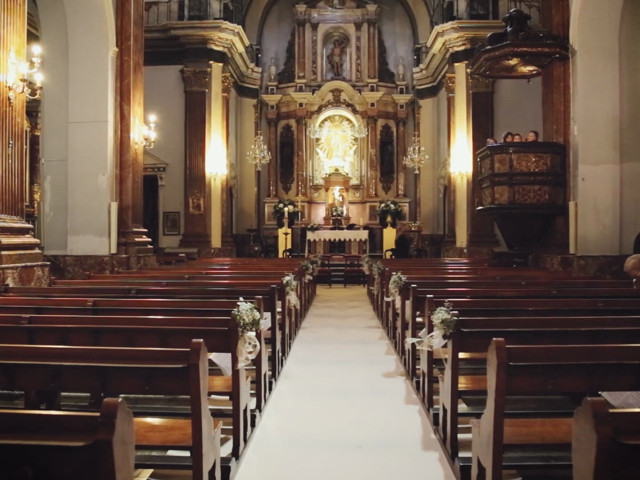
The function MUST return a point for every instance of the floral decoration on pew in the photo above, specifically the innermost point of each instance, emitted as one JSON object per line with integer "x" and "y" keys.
{"x": 310, "y": 268}
{"x": 291, "y": 288}
{"x": 396, "y": 282}
{"x": 247, "y": 316}
{"x": 376, "y": 270}
{"x": 444, "y": 323}
{"x": 367, "y": 263}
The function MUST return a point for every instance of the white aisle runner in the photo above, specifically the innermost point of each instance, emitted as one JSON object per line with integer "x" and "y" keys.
{"x": 343, "y": 408}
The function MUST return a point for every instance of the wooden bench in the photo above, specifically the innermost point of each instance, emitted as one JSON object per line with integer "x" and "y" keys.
{"x": 540, "y": 442}
{"x": 511, "y": 307}
{"x": 68, "y": 445}
{"x": 466, "y": 349}
{"x": 606, "y": 441}
{"x": 114, "y": 371}
{"x": 220, "y": 335}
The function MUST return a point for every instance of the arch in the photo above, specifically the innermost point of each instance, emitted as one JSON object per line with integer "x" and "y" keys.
{"x": 256, "y": 13}
{"x": 594, "y": 35}
{"x": 79, "y": 41}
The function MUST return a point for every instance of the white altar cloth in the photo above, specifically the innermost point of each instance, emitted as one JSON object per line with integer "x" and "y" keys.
{"x": 356, "y": 238}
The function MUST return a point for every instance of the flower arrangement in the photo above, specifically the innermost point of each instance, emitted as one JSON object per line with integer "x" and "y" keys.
{"x": 444, "y": 320}
{"x": 396, "y": 282}
{"x": 247, "y": 316}
{"x": 337, "y": 212}
{"x": 376, "y": 269}
{"x": 444, "y": 324}
{"x": 367, "y": 263}
{"x": 291, "y": 289}
{"x": 310, "y": 269}
{"x": 313, "y": 227}
{"x": 389, "y": 209}
{"x": 279, "y": 211}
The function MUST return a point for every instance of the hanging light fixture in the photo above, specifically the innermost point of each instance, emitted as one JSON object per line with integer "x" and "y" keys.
{"x": 258, "y": 153}
{"x": 416, "y": 156}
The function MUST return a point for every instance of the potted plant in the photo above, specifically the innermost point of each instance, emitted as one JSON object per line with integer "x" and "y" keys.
{"x": 389, "y": 212}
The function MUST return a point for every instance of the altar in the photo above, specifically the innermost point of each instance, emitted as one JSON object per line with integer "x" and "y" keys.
{"x": 318, "y": 242}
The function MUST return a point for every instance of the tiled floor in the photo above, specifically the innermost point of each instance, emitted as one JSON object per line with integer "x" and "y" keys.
{"x": 343, "y": 408}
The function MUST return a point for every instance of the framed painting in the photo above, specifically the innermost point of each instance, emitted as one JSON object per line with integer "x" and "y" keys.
{"x": 171, "y": 223}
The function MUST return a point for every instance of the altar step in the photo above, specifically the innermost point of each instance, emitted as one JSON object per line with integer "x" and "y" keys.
{"x": 343, "y": 270}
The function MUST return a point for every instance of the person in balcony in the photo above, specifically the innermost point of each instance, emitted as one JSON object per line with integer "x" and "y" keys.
{"x": 517, "y": 137}
{"x": 532, "y": 136}
{"x": 507, "y": 137}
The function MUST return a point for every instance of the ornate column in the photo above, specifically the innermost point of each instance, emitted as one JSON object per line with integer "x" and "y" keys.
{"x": 314, "y": 51}
{"x": 372, "y": 41}
{"x": 301, "y": 51}
{"x": 372, "y": 178}
{"x": 358, "y": 75}
{"x": 401, "y": 170}
{"x": 301, "y": 163}
{"x": 197, "y": 81}
{"x": 227, "y": 240}
{"x": 34, "y": 183}
{"x": 132, "y": 237}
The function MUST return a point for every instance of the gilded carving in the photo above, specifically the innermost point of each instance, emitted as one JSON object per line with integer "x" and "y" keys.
{"x": 501, "y": 163}
{"x": 480, "y": 84}
{"x": 227, "y": 83}
{"x": 531, "y": 162}
{"x": 450, "y": 83}
{"x": 531, "y": 194}
{"x": 501, "y": 195}
{"x": 196, "y": 79}
{"x": 486, "y": 196}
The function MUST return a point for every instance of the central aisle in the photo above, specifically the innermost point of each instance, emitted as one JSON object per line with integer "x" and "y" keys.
{"x": 343, "y": 408}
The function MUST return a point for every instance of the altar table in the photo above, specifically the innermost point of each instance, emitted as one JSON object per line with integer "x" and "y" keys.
{"x": 319, "y": 241}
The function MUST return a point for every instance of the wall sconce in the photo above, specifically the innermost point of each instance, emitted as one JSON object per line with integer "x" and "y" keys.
{"x": 149, "y": 134}
{"x": 25, "y": 77}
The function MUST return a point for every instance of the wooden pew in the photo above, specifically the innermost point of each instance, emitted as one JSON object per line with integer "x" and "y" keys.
{"x": 68, "y": 445}
{"x": 514, "y": 307}
{"x": 472, "y": 338}
{"x": 575, "y": 370}
{"x": 606, "y": 442}
{"x": 220, "y": 335}
{"x": 43, "y": 304}
{"x": 114, "y": 371}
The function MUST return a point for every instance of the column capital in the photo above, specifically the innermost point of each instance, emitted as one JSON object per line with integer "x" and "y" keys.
{"x": 227, "y": 83}
{"x": 196, "y": 79}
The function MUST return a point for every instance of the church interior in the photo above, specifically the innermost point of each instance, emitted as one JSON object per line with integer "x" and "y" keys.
{"x": 161, "y": 161}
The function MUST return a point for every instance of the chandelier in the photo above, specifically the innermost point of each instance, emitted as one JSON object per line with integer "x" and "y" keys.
{"x": 258, "y": 153}
{"x": 415, "y": 157}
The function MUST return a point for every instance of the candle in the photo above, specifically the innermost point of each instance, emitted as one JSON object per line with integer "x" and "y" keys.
{"x": 360, "y": 220}
{"x": 286, "y": 213}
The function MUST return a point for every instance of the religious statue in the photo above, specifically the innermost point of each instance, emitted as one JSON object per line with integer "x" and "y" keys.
{"x": 273, "y": 71}
{"x": 401, "y": 70}
{"x": 335, "y": 57}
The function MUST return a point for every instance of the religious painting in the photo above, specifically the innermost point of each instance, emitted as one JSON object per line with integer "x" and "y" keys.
{"x": 387, "y": 158}
{"x": 287, "y": 157}
{"x": 171, "y": 223}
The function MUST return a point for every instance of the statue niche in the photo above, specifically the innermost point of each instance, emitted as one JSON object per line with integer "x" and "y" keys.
{"x": 336, "y": 56}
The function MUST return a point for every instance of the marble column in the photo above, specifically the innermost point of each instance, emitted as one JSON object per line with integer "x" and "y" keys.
{"x": 372, "y": 61}
{"x": 462, "y": 153}
{"x": 314, "y": 52}
{"x": 358, "y": 75}
{"x": 301, "y": 41}
{"x": 301, "y": 160}
{"x": 401, "y": 169}
{"x": 197, "y": 81}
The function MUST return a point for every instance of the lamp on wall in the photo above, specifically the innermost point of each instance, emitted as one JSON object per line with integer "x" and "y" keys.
{"x": 25, "y": 77}
{"x": 149, "y": 135}
{"x": 415, "y": 157}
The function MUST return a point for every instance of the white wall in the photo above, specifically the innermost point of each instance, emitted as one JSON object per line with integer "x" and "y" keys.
{"x": 164, "y": 96}
{"x": 397, "y": 35}
{"x": 630, "y": 119}
{"x": 246, "y": 200}
{"x": 517, "y": 107}
{"x": 78, "y": 125}
{"x": 595, "y": 156}
{"x": 276, "y": 34}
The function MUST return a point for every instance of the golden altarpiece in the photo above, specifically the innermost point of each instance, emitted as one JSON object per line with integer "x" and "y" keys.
{"x": 337, "y": 117}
